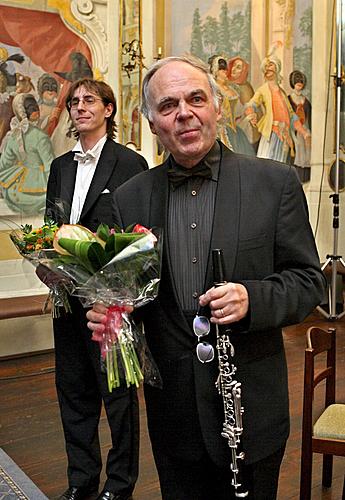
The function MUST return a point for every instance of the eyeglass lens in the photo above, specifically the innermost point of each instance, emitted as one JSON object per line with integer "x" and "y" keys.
{"x": 201, "y": 328}
{"x": 205, "y": 352}
{"x": 88, "y": 100}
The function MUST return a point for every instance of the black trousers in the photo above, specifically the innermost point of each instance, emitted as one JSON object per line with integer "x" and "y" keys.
{"x": 202, "y": 480}
{"x": 81, "y": 389}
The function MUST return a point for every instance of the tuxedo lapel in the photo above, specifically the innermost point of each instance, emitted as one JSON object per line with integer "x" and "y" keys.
{"x": 68, "y": 174}
{"x": 225, "y": 233}
{"x": 159, "y": 197}
{"x": 104, "y": 170}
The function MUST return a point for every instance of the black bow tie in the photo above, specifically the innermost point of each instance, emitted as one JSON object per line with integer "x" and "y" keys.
{"x": 178, "y": 175}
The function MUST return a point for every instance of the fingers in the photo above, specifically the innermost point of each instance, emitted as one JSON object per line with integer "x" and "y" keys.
{"x": 99, "y": 308}
{"x": 228, "y": 303}
{"x": 97, "y": 317}
{"x": 215, "y": 296}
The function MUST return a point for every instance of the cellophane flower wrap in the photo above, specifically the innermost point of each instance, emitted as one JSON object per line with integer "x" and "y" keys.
{"x": 33, "y": 244}
{"x": 119, "y": 269}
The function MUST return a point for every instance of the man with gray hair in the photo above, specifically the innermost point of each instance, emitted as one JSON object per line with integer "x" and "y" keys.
{"x": 207, "y": 197}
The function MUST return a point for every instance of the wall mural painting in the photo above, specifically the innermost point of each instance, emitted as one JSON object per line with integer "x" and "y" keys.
{"x": 342, "y": 99}
{"x": 262, "y": 64}
{"x": 131, "y": 64}
{"x": 36, "y": 69}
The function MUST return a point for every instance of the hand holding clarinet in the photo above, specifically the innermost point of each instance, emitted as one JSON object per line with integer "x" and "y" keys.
{"x": 227, "y": 302}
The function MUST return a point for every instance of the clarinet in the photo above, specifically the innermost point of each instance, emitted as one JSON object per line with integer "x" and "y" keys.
{"x": 230, "y": 390}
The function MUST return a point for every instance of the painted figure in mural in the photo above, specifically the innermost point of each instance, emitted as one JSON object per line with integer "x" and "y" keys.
{"x": 238, "y": 70}
{"x": 302, "y": 107}
{"x": 7, "y": 89}
{"x": 48, "y": 91}
{"x": 228, "y": 131}
{"x": 82, "y": 182}
{"x": 278, "y": 121}
{"x": 135, "y": 128}
{"x": 25, "y": 160}
{"x": 24, "y": 84}
{"x": 80, "y": 68}
{"x": 8, "y": 79}
{"x": 268, "y": 265}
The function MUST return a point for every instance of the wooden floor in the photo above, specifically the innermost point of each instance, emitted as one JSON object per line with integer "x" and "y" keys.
{"x": 31, "y": 434}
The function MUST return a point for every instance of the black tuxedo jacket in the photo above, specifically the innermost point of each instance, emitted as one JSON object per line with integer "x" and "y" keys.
{"x": 79, "y": 381}
{"x": 261, "y": 223}
{"x": 116, "y": 165}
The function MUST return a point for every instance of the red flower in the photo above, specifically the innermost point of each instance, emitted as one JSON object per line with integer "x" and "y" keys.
{"x": 140, "y": 229}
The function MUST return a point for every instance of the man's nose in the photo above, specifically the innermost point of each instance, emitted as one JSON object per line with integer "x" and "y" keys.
{"x": 81, "y": 104}
{"x": 183, "y": 111}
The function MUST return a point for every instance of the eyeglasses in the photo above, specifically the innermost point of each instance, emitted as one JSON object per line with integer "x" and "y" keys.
{"x": 87, "y": 100}
{"x": 201, "y": 328}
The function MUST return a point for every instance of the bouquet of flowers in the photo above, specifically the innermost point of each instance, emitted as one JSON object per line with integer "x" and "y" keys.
{"x": 120, "y": 269}
{"x": 30, "y": 243}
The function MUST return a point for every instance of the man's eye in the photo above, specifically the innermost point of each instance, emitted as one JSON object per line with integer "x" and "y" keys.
{"x": 89, "y": 99}
{"x": 197, "y": 99}
{"x": 168, "y": 106}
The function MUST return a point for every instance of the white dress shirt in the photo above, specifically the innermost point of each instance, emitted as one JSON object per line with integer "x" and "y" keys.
{"x": 87, "y": 163}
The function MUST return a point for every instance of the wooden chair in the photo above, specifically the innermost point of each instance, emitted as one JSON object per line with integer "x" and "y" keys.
{"x": 326, "y": 435}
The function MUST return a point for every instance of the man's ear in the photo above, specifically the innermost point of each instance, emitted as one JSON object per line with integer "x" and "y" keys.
{"x": 108, "y": 109}
{"x": 152, "y": 128}
{"x": 219, "y": 110}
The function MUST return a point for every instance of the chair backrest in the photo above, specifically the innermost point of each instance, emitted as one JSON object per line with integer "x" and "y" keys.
{"x": 327, "y": 434}
{"x": 319, "y": 341}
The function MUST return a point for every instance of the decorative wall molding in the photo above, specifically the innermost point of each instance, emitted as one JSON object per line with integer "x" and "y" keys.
{"x": 81, "y": 18}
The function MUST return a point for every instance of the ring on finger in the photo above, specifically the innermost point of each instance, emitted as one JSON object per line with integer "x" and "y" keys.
{"x": 222, "y": 312}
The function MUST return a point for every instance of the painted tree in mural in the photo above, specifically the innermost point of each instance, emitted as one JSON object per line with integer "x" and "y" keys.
{"x": 228, "y": 35}
{"x": 302, "y": 55}
{"x": 240, "y": 34}
{"x": 210, "y": 34}
{"x": 224, "y": 44}
{"x": 196, "y": 44}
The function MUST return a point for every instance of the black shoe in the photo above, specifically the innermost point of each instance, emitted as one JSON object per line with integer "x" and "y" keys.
{"x": 75, "y": 493}
{"x": 108, "y": 495}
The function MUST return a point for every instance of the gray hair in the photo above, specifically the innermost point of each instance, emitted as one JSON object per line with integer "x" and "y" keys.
{"x": 188, "y": 59}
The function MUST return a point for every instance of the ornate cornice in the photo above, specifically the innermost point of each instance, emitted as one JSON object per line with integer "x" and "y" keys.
{"x": 79, "y": 16}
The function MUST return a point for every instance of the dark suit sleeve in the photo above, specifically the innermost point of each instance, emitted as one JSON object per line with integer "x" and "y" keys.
{"x": 131, "y": 164}
{"x": 135, "y": 164}
{"x": 297, "y": 285}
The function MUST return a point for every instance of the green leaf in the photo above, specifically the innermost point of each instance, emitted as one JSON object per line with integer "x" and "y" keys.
{"x": 27, "y": 228}
{"x": 103, "y": 232}
{"x": 74, "y": 232}
{"x": 30, "y": 238}
{"x": 122, "y": 240}
{"x": 90, "y": 253}
{"x": 96, "y": 256}
{"x": 110, "y": 247}
{"x": 130, "y": 228}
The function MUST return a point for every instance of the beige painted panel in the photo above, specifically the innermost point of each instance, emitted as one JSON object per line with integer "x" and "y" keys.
{"x": 24, "y": 335}
{"x": 7, "y": 249}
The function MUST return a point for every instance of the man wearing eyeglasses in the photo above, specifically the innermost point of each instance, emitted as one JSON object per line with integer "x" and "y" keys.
{"x": 80, "y": 187}
{"x": 207, "y": 197}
